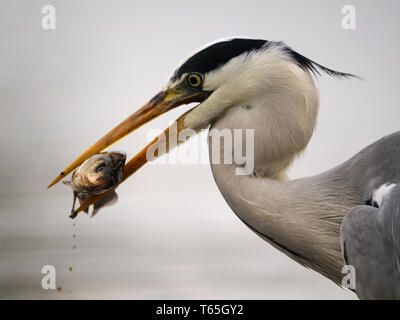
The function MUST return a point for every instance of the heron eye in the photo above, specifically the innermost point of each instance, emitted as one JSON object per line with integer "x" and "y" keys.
{"x": 194, "y": 80}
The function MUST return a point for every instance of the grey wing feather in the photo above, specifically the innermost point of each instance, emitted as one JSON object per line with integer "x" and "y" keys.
{"x": 371, "y": 244}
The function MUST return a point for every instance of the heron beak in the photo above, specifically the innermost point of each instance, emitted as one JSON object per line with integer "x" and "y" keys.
{"x": 158, "y": 105}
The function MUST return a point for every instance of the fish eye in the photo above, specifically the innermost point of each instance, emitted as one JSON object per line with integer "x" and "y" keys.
{"x": 194, "y": 80}
{"x": 100, "y": 167}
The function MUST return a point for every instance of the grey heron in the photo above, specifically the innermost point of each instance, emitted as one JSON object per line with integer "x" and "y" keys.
{"x": 347, "y": 215}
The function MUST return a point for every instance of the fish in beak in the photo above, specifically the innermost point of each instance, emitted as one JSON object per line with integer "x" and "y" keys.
{"x": 98, "y": 174}
{"x": 162, "y": 102}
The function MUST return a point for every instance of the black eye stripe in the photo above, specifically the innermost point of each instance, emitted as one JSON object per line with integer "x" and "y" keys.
{"x": 216, "y": 55}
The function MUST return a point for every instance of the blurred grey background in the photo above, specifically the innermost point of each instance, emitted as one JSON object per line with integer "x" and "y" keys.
{"x": 171, "y": 235}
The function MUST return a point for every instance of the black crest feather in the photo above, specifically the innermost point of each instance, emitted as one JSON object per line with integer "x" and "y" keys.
{"x": 314, "y": 67}
{"x": 218, "y": 54}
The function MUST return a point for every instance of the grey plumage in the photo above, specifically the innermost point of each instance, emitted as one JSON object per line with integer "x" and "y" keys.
{"x": 319, "y": 203}
{"x": 371, "y": 244}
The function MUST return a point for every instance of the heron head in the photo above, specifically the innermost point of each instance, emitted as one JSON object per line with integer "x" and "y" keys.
{"x": 197, "y": 80}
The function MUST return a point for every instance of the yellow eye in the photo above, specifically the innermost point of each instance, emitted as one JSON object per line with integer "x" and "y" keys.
{"x": 194, "y": 80}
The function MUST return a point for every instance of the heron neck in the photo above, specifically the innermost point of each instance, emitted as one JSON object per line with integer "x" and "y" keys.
{"x": 300, "y": 217}
{"x": 297, "y": 217}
